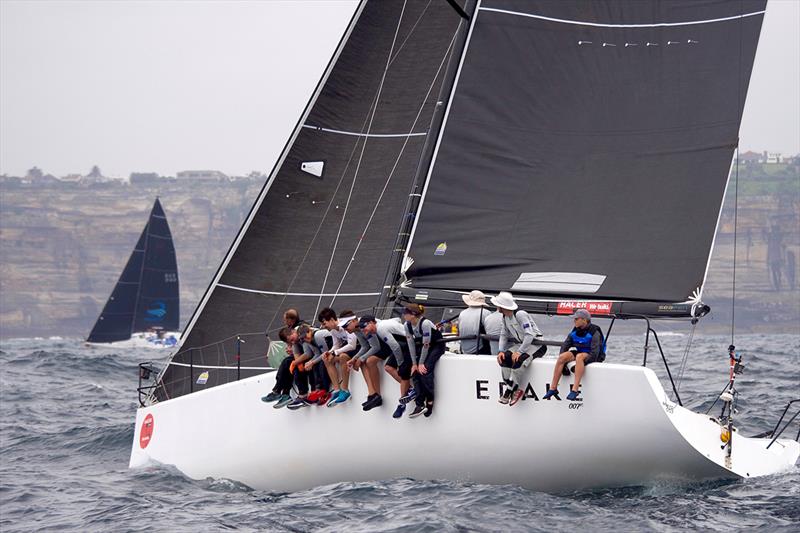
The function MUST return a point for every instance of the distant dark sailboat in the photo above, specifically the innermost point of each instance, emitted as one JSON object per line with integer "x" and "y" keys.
{"x": 573, "y": 152}
{"x": 145, "y": 298}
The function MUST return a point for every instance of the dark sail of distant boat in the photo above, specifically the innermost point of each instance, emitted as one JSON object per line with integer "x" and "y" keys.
{"x": 146, "y": 294}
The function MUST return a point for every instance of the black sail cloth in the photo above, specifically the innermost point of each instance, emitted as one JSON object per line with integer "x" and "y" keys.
{"x": 587, "y": 148}
{"x": 147, "y": 293}
{"x": 325, "y": 238}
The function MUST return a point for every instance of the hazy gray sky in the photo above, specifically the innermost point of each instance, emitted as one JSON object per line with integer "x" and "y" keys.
{"x": 168, "y": 86}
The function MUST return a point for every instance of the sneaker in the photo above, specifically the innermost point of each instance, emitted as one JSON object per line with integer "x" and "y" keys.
{"x": 428, "y": 410}
{"x": 369, "y": 399}
{"x": 549, "y": 394}
{"x": 573, "y": 395}
{"x": 343, "y": 396}
{"x": 418, "y": 410}
{"x": 283, "y": 401}
{"x": 506, "y": 397}
{"x": 271, "y": 397}
{"x": 332, "y": 401}
{"x": 314, "y": 396}
{"x": 323, "y": 398}
{"x": 516, "y": 397}
{"x": 297, "y": 403}
{"x": 410, "y": 395}
{"x": 376, "y": 401}
{"x": 401, "y": 408}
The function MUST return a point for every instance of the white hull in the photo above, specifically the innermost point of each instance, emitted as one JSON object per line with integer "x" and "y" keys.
{"x": 144, "y": 340}
{"x": 625, "y": 432}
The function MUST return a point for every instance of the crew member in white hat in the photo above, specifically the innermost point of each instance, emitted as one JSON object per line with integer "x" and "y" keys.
{"x": 470, "y": 323}
{"x": 516, "y": 345}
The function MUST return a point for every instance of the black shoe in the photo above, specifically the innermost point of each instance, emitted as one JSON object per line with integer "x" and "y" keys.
{"x": 401, "y": 408}
{"x": 369, "y": 399}
{"x": 376, "y": 401}
{"x": 429, "y": 410}
{"x": 418, "y": 410}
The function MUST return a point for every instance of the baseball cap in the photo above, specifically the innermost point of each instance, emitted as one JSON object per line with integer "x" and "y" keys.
{"x": 582, "y": 313}
{"x": 364, "y": 320}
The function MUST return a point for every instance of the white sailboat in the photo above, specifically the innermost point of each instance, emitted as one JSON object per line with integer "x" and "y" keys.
{"x": 456, "y": 142}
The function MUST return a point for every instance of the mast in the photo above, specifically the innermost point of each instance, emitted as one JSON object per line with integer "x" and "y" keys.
{"x": 393, "y": 272}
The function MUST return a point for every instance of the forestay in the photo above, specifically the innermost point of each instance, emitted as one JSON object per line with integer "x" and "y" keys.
{"x": 322, "y": 229}
{"x": 586, "y": 149}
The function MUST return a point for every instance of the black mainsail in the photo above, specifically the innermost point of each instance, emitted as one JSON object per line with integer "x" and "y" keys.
{"x": 567, "y": 149}
{"x": 586, "y": 149}
{"x": 146, "y": 294}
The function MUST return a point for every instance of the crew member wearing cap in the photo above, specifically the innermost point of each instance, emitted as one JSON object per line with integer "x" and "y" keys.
{"x": 335, "y": 358}
{"x": 584, "y": 345}
{"x": 387, "y": 338}
{"x": 516, "y": 346}
{"x": 471, "y": 323}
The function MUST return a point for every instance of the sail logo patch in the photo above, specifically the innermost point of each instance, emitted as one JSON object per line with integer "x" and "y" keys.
{"x": 157, "y": 312}
{"x": 441, "y": 249}
{"x": 146, "y": 433}
{"x": 202, "y": 379}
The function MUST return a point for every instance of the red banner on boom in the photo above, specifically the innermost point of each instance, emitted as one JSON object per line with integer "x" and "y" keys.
{"x": 595, "y": 308}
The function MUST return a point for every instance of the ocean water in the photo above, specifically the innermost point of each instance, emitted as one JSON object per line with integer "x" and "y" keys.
{"x": 66, "y": 427}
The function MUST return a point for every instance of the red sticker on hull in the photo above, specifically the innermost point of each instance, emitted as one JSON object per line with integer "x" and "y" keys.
{"x": 146, "y": 432}
{"x": 595, "y": 308}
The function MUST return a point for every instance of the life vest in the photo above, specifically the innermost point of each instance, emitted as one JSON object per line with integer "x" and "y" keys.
{"x": 436, "y": 335}
{"x": 582, "y": 340}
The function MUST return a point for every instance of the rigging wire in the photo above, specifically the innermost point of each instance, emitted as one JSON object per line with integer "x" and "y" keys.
{"x": 394, "y": 167}
{"x": 736, "y": 183}
{"x": 685, "y": 358}
{"x": 360, "y": 158}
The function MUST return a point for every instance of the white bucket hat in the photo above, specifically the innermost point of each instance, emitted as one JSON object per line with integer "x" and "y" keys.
{"x": 505, "y": 300}
{"x": 344, "y": 320}
{"x": 474, "y": 299}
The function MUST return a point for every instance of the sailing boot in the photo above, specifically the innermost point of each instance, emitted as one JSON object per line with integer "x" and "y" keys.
{"x": 506, "y": 397}
{"x": 271, "y": 397}
{"x": 516, "y": 396}
{"x": 284, "y": 400}
{"x": 573, "y": 395}
{"x": 549, "y": 394}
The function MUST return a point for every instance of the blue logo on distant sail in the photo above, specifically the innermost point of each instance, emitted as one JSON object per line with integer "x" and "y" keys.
{"x": 156, "y": 313}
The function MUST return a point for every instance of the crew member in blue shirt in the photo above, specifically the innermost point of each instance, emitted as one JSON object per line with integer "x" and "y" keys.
{"x": 584, "y": 345}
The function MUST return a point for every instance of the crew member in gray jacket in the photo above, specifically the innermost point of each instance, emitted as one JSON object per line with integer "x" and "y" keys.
{"x": 516, "y": 349}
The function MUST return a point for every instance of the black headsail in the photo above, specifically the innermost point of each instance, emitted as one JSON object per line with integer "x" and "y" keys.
{"x": 586, "y": 149}
{"x": 322, "y": 229}
{"x": 146, "y": 294}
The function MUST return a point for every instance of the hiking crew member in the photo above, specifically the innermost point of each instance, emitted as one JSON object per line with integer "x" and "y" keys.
{"x": 298, "y": 366}
{"x": 387, "y": 343}
{"x": 357, "y": 361}
{"x": 343, "y": 346}
{"x": 426, "y": 349}
{"x": 516, "y": 348}
{"x": 471, "y": 324}
{"x": 315, "y": 342}
{"x": 283, "y": 376}
{"x": 584, "y": 345}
